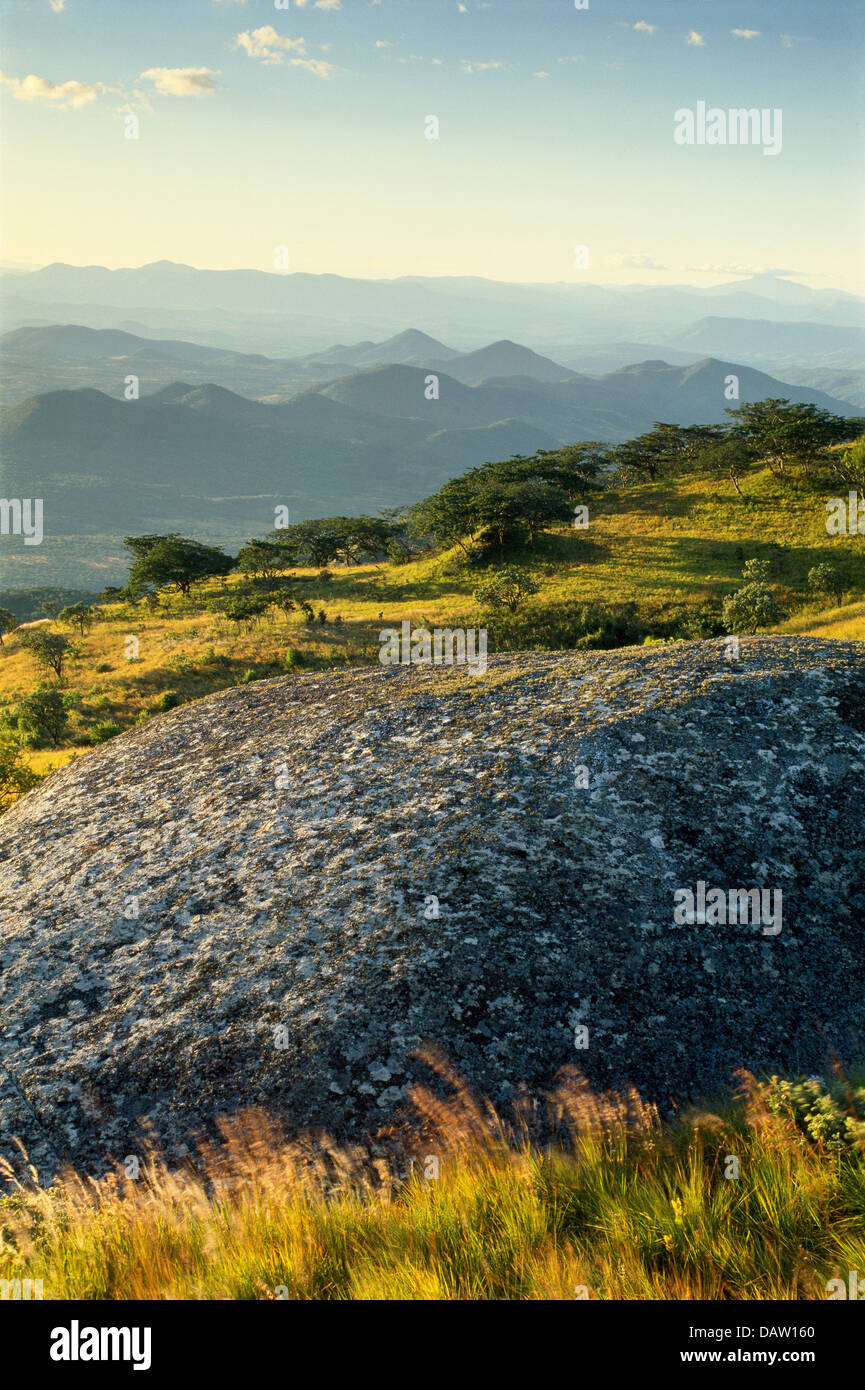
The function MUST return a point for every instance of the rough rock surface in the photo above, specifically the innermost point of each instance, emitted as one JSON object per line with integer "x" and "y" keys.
{"x": 284, "y": 840}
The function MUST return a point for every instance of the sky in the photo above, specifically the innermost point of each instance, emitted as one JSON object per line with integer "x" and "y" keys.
{"x": 305, "y": 128}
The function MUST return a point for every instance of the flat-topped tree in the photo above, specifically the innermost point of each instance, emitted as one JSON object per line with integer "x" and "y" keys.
{"x": 786, "y": 433}
{"x": 173, "y": 560}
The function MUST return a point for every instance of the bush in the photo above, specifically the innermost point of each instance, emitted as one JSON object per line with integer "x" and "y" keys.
{"x": 832, "y": 1113}
{"x": 293, "y": 659}
{"x": 507, "y": 587}
{"x": 16, "y": 777}
{"x": 102, "y": 732}
{"x": 169, "y": 699}
{"x": 43, "y": 717}
{"x": 751, "y": 608}
{"x": 825, "y": 579}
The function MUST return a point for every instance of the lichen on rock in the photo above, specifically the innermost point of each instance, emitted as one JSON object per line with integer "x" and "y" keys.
{"x": 276, "y": 895}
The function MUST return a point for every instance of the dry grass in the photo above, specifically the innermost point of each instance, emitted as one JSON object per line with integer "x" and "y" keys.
{"x": 619, "y": 1207}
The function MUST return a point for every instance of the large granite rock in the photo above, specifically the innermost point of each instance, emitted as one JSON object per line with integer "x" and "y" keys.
{"x": 329, "y": 870}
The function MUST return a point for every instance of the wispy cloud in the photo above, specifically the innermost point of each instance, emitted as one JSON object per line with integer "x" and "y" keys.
{"x": 495, "y": 65}
{"x": 65, "y": 96}
{"x": 182, "y": 82}
{"x": 645, "y": 28}
{"x": 320, "y": 4}
{"x": 745, "y": 33}
{"x": 737, "y": 269}
{"x": 695, "y": 40}
{"x": 58, "y": 5}
{"x": 383, "y": 43}
{"x": 632, "y": 260}
{"x": 791, "y": 40}
{"x": 267, "y": 45}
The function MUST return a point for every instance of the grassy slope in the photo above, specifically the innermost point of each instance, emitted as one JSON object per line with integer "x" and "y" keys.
{"x": 667, "y": 547}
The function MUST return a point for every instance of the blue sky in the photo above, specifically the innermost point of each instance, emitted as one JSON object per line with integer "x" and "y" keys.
{"x": 304, "y": 127}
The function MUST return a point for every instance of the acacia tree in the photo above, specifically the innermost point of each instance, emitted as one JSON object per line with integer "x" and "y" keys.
{"x": 786, "y": 433}
{"x": 174, "y": 560}
{"x": 266, "y": 559}
{"x": 80, "y": 615}
{"x": 50, "y": 649}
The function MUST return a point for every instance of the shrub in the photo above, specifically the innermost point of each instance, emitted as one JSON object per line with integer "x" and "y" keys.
{"x": 751, "y": 608}
{"x": 507, "y": 587}
{"x": 15, "y": 776}
{"x": 825, "y": 579}
{"x": 43, "y": 717}
{"x": 102, "y": 732}
{"x": 169, "y": 699}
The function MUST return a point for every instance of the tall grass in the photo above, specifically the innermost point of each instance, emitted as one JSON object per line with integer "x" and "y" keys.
{"x": 616, "y": 1206}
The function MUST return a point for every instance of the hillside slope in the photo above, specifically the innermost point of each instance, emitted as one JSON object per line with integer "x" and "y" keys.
{"x": 372, "y": 859}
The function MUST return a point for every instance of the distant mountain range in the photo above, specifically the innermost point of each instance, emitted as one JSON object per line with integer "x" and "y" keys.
{"x": 200, "y": 458}
{"x": 292, "y": 315}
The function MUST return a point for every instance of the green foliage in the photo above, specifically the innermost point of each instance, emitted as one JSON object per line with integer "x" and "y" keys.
{"x": 826, "y": 579}
{"x": 267, "y": 559}
{"x": 750, "y": 608}
{"x": 8, "y": 621}
{"x": 169, "y": 699}
{"x": 16, "y": 777}
{"x": 43, "y": 716}
{"x": 49, "y": 649}
{"x": 831, "y": 1113}
{"x": 78, "y": 615}
{"x": 507, "y": 587}
{"x": 172, "y": 560}
{"x": 848, "y": 466}
{"x": 786, "y": 433}
{"x": 102, "y": 732}
{"x": 756, "y": 571}
{"x": 246, "y": 608}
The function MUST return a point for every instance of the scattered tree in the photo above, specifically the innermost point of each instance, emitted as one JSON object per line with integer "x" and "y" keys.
{"x": 825, "y": 579}
{"x": 507, "y": 587}
{"x": 50, "y": 649}
{"x": 174, "y": 560}
{"x": 8, "y": 623}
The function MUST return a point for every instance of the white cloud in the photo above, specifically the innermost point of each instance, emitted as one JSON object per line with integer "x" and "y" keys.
{"x": 745, "y": 33}
{"x": 696, "y": 40}
{"x": 316, "y": 66}
{"x": 790, "y": 40}
{"x": 383, "y": 43}
{"x": 644, "y": 27}
{"x": 579, "y": 58}
{"x": 58, "y": 5}
{"x": 183, "y": 82}
{"x": 540, "y": 74}
{"x": 495, "y": 66}
{"x": 632, "y": 260}
{"x": 320, "y": 4}
{"x": 267, "y": 45}
{"x": 66, "y": 96}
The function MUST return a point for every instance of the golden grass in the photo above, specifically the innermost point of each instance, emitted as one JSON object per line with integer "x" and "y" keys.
{"x": 620, "y": 1207}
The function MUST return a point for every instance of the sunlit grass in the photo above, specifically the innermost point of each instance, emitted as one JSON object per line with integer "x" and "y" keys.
{"x": 619, "y": 1206}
